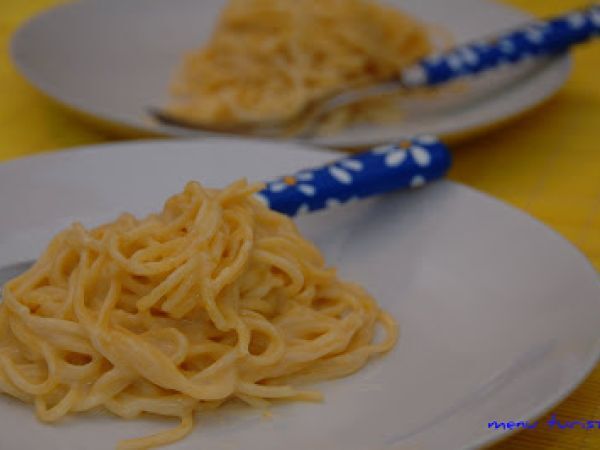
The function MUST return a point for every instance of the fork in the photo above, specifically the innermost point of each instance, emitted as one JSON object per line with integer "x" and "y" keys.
{"x": 406, "y": 164}
{"x": 534, "y": 39}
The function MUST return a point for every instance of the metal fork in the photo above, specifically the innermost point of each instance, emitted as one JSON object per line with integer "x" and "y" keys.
{"x": 13, "y": 270}
{"x": 300, "y": 124}
{"x": 534, "y": 39}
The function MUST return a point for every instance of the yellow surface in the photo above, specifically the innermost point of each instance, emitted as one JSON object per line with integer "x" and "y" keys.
{"x": 547, "y": 163}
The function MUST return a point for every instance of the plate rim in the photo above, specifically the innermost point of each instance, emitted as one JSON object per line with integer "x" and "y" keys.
{"x": 491, "y": 436}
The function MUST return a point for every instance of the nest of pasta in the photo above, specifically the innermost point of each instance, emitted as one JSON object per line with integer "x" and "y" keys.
{"x": 214, "y": 298}
{"x": 267, "y": 59}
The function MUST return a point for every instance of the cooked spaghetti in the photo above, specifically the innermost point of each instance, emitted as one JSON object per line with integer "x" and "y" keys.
{"x": 215, "y": 298}
{"x": 266, "y": 59}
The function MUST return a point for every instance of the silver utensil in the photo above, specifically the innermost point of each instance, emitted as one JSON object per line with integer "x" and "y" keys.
{"x": 13, "y": 270}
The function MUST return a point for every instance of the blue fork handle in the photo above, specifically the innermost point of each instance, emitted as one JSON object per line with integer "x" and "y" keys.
{"x": 407, "y": 164}
{"x": 535, "y": 39}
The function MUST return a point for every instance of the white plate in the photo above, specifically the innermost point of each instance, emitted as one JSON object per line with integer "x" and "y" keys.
{"x": 114, "y": 58}
{"x": 499, "y": 316}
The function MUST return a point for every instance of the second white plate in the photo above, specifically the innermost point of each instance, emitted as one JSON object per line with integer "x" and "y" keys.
{"x": 112, "y": 59}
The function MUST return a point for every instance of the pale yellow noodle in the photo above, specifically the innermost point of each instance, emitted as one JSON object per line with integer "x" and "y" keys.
{"x": 267, "y": 58}
{"x": 214, "y": 298}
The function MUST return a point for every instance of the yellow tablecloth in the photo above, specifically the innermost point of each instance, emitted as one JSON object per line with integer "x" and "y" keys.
{"x": 548, "y": 165}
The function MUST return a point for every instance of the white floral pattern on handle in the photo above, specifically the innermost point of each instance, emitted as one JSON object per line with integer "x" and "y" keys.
{"x": 408, "y": 164}
{"x": 300, "y": 182}
{"x": 537, "y": 38}
{"x": 342, "y": 171}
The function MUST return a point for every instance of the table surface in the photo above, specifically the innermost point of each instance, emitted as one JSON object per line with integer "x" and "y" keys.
{"x": 547, "y": 163}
